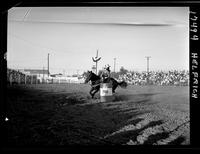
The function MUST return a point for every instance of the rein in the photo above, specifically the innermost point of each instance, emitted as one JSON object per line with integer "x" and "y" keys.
{"x": 93, "y": 86}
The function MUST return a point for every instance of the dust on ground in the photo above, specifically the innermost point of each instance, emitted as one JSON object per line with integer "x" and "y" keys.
{"x": 65, "y": 114}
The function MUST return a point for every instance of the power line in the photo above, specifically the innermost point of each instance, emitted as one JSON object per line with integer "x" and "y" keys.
{"x": 41, "y": 46}
{"x": 29, "y": 42}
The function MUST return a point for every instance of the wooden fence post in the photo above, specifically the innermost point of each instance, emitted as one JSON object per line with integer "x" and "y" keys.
{"x": 10, "y": 78}
{"x": 18, "y": 77}
{"x": 25, "y": 79}
{"x": 31, "y": 79}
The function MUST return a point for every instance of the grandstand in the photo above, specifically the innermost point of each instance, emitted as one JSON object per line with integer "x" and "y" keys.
{"x": 157, "y": 78}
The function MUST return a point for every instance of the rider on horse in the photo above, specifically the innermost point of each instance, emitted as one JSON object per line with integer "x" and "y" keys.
{"x": 105, "y": 75}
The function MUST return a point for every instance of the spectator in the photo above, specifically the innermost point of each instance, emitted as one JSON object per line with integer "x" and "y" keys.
{"x": 157, "y": 78}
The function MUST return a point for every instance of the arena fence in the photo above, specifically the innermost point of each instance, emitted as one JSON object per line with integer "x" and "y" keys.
{"x": 176, "y": 79}
{"x": 17, "y": 77}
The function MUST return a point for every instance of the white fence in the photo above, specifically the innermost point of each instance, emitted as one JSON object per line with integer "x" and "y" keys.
{"x": 66, "y": 80}
{"x": 17, "y": 77}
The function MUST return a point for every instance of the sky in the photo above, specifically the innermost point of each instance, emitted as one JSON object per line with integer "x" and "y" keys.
{"x": 72, "y": 36}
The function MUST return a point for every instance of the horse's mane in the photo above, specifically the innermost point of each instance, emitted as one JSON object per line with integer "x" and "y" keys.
{"x": 96, "y": 76}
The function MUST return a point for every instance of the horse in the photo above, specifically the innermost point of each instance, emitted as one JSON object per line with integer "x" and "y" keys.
{"x": 96, "y": 81}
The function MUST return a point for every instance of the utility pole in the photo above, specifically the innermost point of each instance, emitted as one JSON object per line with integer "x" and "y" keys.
{"x": 48, "y": 64}
{"x": 43, "y": 76}
{"x": 96, "y": 59}
{"x": 148, "y": 68}
{"x": 114, "y": 64}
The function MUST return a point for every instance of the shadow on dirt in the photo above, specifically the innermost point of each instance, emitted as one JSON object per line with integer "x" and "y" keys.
{"x": 44, "y": 118}
{"x": 94, "y": 120}
{"x": 177, "y": 141}
{"x": 40, "y": 118}
{"x": 124, "y": 137}
{"x": 156, "y": 137}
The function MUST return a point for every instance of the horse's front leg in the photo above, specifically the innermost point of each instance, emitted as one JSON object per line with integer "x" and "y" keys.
{"x": 96, "y": 90}
{"x": 92, "y": 94}
{"x": 115, "y": 84}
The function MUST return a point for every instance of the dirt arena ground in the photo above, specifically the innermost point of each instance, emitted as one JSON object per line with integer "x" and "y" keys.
{"x": 65, "y": 114}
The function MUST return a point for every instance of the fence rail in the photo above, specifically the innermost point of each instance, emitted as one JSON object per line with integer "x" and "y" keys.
{"x": 17, "y": 77}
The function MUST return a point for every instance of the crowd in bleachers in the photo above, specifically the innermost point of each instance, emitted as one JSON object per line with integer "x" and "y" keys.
{"x": 157, "y": 78}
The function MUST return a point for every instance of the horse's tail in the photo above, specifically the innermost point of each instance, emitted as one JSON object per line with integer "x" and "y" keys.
{"x": 123, "y": 84}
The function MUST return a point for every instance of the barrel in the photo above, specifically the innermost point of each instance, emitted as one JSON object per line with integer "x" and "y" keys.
{"x": 106, "y": 94}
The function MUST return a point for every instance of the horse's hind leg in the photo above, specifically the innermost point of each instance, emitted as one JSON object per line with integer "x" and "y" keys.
{"x": 113, "y": 89}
